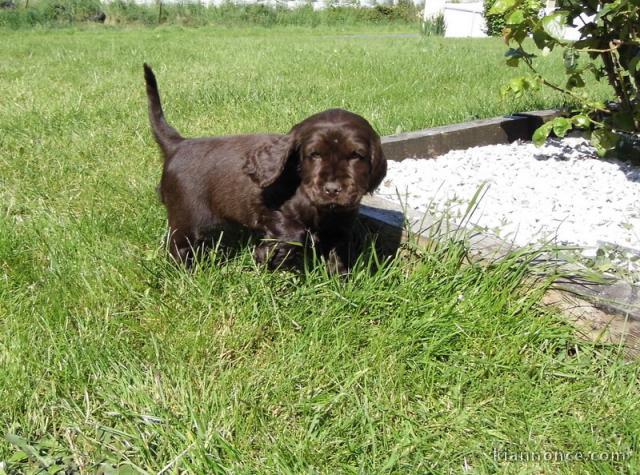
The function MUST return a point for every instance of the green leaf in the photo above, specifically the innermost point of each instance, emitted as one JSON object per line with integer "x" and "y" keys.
{"x": 518, "y": 53}
{"x": 570, "y": 57}
{"x": 501, "y": 6}
{"x": 541, "y": 134}
{"x": 575, "y": 80}
{"x": 608, "y": 8}
{"x": 514, "y": 54}
{"x": 554, "y": 25}
{"x": 561, "y": 126}
{"x": 542, "y": 40}
{"x": 581, "y": 120}
{"x": 532, "y": 83}
{"x": 519, "y": 33}
{"x": 513, "y": 62}
{"x": 604, "y": 141}
{"x": 515, "y": 18}
{"x": 516, "y": 86}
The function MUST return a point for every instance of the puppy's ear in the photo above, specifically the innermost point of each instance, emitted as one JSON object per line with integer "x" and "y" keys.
{"x": 266, "y": 160}
{"x": 378, "y": 165}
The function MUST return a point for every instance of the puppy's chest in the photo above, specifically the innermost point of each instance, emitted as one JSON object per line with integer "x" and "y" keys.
{"x": 320, "y": 220}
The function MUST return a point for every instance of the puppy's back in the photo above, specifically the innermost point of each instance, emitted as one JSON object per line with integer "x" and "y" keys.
{"x": 209, "y": 173}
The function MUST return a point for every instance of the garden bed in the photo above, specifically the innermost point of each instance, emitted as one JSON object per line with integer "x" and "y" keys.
{"x": 560, "y": 194}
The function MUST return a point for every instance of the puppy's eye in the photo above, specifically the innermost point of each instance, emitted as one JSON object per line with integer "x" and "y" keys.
{"x": 357, "y": 156}
{"x": 314, "y": 156}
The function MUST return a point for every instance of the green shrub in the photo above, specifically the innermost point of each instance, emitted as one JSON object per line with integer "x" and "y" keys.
{"x": 49, "y": 12}
{"x": 60, "y": 12}
{"x": 496, "y": 22}
{"x": 127, "y": 11}
{"x": 404, "y": 10}
{"x": 608, "y": 48}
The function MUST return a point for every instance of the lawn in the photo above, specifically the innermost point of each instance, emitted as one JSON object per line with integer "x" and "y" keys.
{"x": 110, "y": 356}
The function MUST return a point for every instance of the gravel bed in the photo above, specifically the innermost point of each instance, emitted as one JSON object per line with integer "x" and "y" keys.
{"x": 560, "y": 192}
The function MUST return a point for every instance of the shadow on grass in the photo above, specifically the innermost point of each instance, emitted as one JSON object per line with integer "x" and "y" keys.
{"x": 372, "y": 244}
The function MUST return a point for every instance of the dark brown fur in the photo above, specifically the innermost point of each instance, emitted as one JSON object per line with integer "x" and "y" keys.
{"x": 301, "y": 187}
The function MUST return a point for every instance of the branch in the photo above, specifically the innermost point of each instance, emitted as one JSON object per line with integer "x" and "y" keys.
{"x": 624, "y": 82}
{"x": 555, "y": 87}
{"x": 614, "y": 45}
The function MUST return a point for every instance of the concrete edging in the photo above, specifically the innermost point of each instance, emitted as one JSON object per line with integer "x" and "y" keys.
{"x": 607, "y": 311}
{"x": 428, "y": 143}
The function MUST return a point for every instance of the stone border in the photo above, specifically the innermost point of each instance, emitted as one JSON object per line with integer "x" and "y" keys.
{"x": 607, "y": 311}
{"x": 428, "y": 143}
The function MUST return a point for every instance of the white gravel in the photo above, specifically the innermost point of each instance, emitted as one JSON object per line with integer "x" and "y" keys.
{"x": 560, "y": 192}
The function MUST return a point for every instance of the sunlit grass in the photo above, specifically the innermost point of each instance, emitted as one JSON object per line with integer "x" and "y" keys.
{"x": 110, "y": 354}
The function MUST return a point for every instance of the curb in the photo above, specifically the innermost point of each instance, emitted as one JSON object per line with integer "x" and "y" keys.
{"x": 428, "y": 143}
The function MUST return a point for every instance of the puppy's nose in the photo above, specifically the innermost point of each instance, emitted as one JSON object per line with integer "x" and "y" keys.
{"x": 332, "y": 188}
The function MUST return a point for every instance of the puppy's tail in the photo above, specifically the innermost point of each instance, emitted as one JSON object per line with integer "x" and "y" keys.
{"x": 167, "y": 137}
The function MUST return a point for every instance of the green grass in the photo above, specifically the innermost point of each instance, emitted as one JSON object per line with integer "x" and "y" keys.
{"x": 109, "y": 354}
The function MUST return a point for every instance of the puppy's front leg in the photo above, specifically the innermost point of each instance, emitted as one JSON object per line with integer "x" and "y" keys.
{"x": 336, "y": 249}
{"x": 336, "y": 262}
{"x": 283, "y": 238}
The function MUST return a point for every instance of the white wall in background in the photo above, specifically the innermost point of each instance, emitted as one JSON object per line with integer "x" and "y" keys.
{"x": 464, "y": 20}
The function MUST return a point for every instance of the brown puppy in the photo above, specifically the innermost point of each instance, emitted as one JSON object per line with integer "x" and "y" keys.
{"x": 294, "y": 188}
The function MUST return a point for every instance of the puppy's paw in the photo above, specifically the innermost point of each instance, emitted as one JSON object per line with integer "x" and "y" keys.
{"x": 261, "y": 254}
{"x": 335, "y": 264}
{"x": 275, "y": 255}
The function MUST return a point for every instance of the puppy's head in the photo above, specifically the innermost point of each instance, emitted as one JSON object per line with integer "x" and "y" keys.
{"x": 340, "y": 158}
